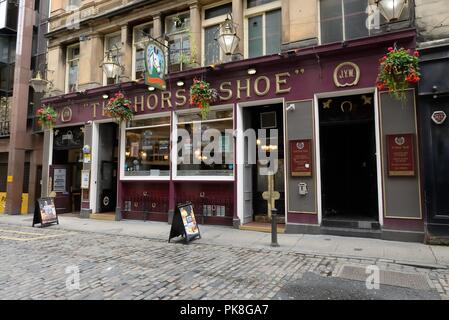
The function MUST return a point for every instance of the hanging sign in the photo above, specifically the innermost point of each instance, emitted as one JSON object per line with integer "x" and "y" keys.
{"x": 301, "y": 158}
{"x": 401, "y": 157}
{"x": 184, "y": 223}
{"x": 45, "y": 212}
{"x": 155, "y": 65}
{"x": 439, "y": 117}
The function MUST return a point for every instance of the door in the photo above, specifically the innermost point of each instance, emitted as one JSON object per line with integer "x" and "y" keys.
{"x": 60, "y": 177}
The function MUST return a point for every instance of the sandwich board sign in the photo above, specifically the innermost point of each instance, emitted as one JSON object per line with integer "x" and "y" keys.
{"x": 45, "y": 212}
{"x": 184, "y": 223}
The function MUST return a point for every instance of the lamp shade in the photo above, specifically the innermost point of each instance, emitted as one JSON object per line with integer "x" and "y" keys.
{"x": 391, "y": 9}
{"x": 38, "y": 84}
{"x": 227, "y": 37}
{"x": 110, "y": 67}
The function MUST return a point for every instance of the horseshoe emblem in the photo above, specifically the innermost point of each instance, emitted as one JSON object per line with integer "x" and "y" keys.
{"x": 342, "y": 106}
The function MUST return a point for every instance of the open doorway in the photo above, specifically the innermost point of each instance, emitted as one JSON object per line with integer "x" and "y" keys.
{"x": 107, "y": 167}
{"x": 348, "y": 158}
{"x": 255, "y": 183}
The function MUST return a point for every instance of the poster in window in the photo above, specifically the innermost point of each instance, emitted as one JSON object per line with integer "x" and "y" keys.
{"x": 135, "y": 149}
{"x": 401, "y": 157}
{"x": 59, "y": 180}
{"x": 301, "y": 158}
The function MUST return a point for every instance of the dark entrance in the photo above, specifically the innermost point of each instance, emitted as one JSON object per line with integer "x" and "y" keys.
{"x": 65, "y": 171}
{"x": 263, "y": 117}
{"x": 348, "y": 158}
{"x": 107, "y": 167}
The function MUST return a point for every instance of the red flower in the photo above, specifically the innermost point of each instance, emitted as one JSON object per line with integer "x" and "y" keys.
{"x": 40, "y": 111}
{"x": 48, "y": 117}
{"x": 390, "y": 49}
{"x": 380, "y": 85}
{"x": 416, "y": 54}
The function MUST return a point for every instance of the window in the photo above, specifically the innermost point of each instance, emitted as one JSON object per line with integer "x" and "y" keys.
{"x": 75, "y": 3}
{"x": 147, "y": 147}
{"x": 113, "y": 45}
{"x": 343, "y": 20}
{"x": 264, "y": 28}
{"x": 197, "y": 155}
{"x": 212, "y": 18}
{"x": 177, "y": 29}
{"x": 140, "y": 38}
{"x": 73, "y": 58}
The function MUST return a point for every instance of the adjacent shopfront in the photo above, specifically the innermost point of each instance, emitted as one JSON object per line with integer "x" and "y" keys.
{"x": 346, "y": 154}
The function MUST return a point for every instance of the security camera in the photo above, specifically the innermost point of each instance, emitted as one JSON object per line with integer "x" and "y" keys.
{"x": 291, "y": 107}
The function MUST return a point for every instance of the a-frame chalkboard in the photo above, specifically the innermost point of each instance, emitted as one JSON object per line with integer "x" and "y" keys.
{"x": 184, "y": 223}
{"x": 45, "y": 212}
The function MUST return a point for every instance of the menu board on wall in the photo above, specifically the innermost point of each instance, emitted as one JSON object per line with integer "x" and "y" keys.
{"x": 59, "y": 181}
{"x": 301, "y": 158}
{"x": 401, "y": 155}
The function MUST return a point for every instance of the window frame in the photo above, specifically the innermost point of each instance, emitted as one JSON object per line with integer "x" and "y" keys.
{"x": 67, "y": 66}
{"x": 105, "y": 45}
{"x": 256, "y": 11}
{"x": 174, "y": 154}
{"x": 184, "y": 32}
{"x": 206, "y": 23}
{"x": 134, "y": 49}
{"x": 124, "y": 128}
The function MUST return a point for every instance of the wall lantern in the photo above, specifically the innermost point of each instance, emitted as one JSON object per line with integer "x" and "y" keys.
{"x": 391, "y": 9}
{"x": 39, "y": 84}
{"x": 111, "y": 66}
{"x": 227, "y": 36}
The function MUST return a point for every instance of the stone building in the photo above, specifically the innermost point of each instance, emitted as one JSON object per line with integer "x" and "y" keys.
{"x": 22, "y": 52}
{"x": 432, "y": 22}
{"x": 304, "y": 69}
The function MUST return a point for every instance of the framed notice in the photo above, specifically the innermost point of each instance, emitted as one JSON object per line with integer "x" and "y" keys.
{"x": 45, "y": 212}
{"x": 85, "y": 178}
{"x": 401, "y": 154}
{"x": 59, "y": 180}
{"x": 301, "y": 158}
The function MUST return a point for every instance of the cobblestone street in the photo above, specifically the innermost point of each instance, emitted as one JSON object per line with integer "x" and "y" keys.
{"x": 33, "y": 265}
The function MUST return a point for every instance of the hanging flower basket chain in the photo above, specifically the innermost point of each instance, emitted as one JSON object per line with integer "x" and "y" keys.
{"x": 202, "y": 95}
{"x": 46, "y": 116}
{"x": 399, "y": 68}
{"x": 119, "y": 108}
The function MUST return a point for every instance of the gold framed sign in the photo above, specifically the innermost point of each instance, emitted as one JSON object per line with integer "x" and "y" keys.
{"x": 346, "y": 74}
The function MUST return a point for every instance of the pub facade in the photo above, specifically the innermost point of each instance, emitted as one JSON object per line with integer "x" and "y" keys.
{"x": 347, "y": 154}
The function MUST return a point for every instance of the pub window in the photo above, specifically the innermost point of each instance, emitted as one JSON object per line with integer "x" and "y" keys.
{"x": 191, "y": 150}
{"x": 177, "y": 28}
{"x": 140, "y": 40}
{"x": 147, "y": 147}
{"x": 73, "y": 59}
{"x": 264, "y": 28}
{"x": 212, "y": 18}
{"x": 113, "y": 45}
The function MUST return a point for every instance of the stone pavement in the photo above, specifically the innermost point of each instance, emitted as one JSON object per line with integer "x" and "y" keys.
{"x": 416, "y": 254}
{"x": 132, "y": 260}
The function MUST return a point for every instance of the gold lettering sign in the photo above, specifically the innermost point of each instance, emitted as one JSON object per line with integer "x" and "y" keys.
{"x": 66, "y": 114}
{"x": 346, "y": 74}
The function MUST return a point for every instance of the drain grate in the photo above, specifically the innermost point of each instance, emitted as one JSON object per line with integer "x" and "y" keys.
{"x": 391, "y": 278}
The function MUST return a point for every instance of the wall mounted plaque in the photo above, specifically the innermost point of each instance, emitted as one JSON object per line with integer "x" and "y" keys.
{"x": 346, "y": 74}
{"x": 401, "y": 155}
{"x": 301, "y": 158}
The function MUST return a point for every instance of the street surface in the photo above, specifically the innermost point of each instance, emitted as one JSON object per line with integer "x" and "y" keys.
{"x": 43, "y": 263}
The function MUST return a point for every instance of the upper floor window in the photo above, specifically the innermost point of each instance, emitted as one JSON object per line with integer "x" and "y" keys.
{"x": 177, "y": 28}
{"x": 140, "y": 38}
{"x": 212, "y": 18}
{"x": 72, "y": 65}
{"x": 113, "y": 45}
{"x": 74, "y": 3}
{"x": 342, "y": 20}
{"x": 264, "y": 28}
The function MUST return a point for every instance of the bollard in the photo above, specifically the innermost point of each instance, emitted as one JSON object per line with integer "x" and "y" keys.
{"x": 274, "y": 228}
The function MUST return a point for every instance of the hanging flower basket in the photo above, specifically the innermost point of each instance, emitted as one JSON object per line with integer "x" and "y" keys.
{"x": 119, "y": 108}
{"x": 46, "y": 117}
{"x": 201, "y": 96}
{"x": 398, "y": 69}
